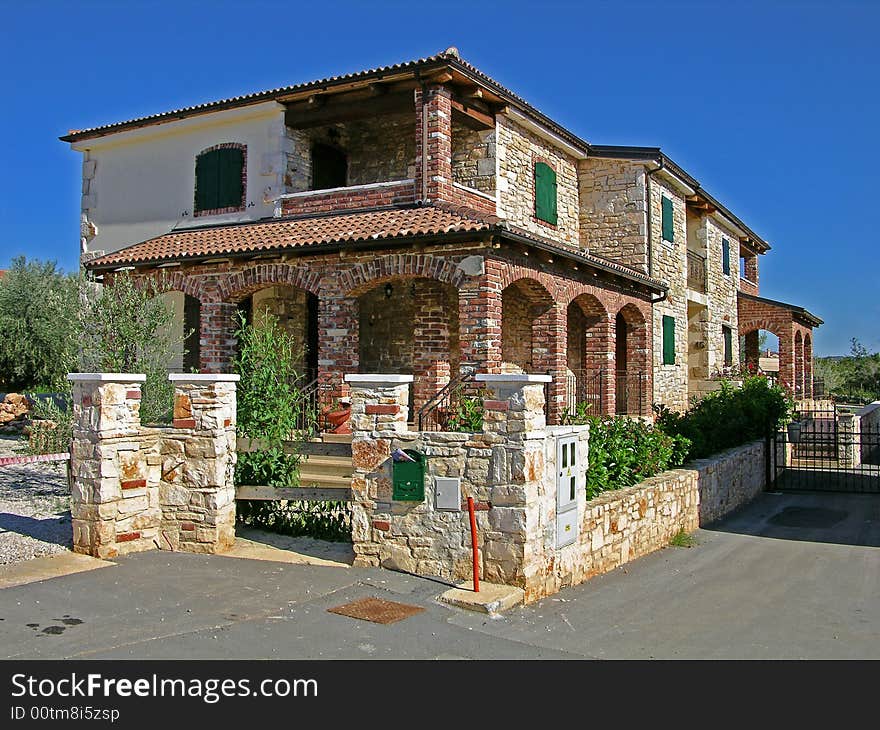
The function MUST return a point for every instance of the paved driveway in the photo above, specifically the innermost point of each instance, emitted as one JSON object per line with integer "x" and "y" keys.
{"x": 790, "y": 576}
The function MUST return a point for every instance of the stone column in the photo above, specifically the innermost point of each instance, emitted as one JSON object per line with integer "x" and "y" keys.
{"x": 479, "y": 319}
{"x": 197, "y": 489}
{"x": 849, "y": 453}
{"x": 338, "y": 348}
{"x": 115, "y": 496}
{"x": 514, "y": 412}
{"x": 379, "y": 414}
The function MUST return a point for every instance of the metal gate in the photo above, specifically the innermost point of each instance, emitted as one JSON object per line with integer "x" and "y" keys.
{"x": 826, "y": 451}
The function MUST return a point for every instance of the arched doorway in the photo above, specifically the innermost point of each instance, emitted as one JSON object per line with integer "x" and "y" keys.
{"x": 631, "y": 363}
{"x": 523, "y": 347}
{"x": 587, "y": 379}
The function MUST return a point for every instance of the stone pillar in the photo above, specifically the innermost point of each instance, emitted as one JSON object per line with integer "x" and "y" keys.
{"x": 217, "y": 343}
{"x": 114, "y": 494}
{"x": 515, "y": 405}
{"x": 198, "y": 463}
{"x": 849, "y": 452}
{"x": 378, "y": 415}
{"x": 515, "y": 414}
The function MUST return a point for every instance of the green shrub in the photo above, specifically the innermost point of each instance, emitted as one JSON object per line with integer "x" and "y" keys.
{"x": 624, "y": 451}
{"x": 321, "y": 520}
{"x": 729, "y": 417}
{"x": 51, "y": 427}
{"x": 269, "y": 401}
{"x": 466, "y": 415}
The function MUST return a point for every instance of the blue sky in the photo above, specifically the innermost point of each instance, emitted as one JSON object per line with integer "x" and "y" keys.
{"x": 773, "y": 106}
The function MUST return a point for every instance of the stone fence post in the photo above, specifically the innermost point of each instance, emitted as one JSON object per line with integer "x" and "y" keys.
{"x": 197, "y": 490}
{"x": 849, "y": 453}
{"x": 114, "y": 495}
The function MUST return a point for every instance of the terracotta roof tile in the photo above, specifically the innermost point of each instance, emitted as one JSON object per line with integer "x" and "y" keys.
{"x": 298, "y": 232}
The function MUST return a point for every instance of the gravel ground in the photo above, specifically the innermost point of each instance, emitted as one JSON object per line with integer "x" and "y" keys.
{"x": 34, "y": 508}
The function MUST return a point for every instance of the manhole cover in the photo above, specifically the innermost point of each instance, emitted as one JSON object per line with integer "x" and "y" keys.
{"x": 808, "y": 517}
{"x": 376, "y": 610}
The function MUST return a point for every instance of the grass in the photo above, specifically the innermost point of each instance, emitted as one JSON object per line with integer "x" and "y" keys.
{"x": 682, "y": 539}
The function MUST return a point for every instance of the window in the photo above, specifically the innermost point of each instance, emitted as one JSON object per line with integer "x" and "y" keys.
{"x": 329, "y": 167}
{"x": 725, "y": 256}
{"x": 668, "y": 230}
{"x": 545, "y": 193}
{"x": 668, "y": 340}
{"x": 727, "y": 334}
{"x": 220, "y": 180}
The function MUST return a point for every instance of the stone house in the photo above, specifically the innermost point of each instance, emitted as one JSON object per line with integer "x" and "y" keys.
{"x": 422, "y": 219}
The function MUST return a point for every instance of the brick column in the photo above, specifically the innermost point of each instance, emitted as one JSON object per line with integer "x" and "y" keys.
{"x": 549, "y": 355}
{"x": 115, "y": 496}
{"x": 197, "y": 489}
{"x": 479, "y": 321}
{"x": 434, "y": 164}
{"x": 217, "y": 343}
{"x": 786, "y": 360}
{"x": 799, "y": 367}
{"x": 752, "y": 348}
{"x": 808, "y": 368}
{"x": 338, "y": 349}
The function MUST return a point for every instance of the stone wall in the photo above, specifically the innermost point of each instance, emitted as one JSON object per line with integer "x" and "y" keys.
{"x": 136, "y": 488}
{"x": 518, "y": 150}
{"x": 510, "y": 471}
{"x": 869, "y": 429}
{"x": 722, "y": 294}
{"x": 669, "y": 264}
{"x": 473, "y": 158}
{"x": 613, "y": 211}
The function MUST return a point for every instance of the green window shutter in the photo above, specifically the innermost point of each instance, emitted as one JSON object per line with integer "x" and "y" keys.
{"x": 207, "y": 175}
{"x": 668, "y": 229}
{"x": 728, "y": 345}
{"x": 668, "y": 340}
{"x": 229, "y": 182}
{"x": 545, "y": 193}
{"x": 725, "y": 255}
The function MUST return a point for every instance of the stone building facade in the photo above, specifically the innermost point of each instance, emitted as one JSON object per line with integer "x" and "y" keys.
{"x": 396, "y": 217}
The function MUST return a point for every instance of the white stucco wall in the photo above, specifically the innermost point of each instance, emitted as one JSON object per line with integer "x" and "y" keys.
{"x": 140, "y": 183}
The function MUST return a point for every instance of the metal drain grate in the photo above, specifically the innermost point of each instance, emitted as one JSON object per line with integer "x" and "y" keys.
{"x": 376, "y": 610}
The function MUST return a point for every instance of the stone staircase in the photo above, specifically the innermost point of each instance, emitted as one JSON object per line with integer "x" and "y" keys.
{"x": 326, "y": 462}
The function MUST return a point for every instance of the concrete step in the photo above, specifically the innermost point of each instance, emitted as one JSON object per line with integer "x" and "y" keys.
{"x": 336, "y": 438}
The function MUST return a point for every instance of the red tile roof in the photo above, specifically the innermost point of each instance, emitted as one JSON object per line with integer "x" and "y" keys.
{"x": 272, "y": 235}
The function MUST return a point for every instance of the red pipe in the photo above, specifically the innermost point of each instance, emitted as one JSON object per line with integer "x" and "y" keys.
{"x": 474, "y": 545}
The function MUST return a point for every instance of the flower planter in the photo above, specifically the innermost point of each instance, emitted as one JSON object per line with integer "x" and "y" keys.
{"x": 337, "y": 421}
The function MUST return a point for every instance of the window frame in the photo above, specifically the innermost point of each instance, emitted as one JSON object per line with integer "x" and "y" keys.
{"x": 725, "y": 257}
{"x": 555, "y": 182}
{"x": 667, "y": 203}
{"x": 199, "y": 212}
{"x": 669, "y": 320}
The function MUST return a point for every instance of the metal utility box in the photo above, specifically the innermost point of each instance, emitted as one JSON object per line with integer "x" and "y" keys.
{"x": 408, "y": 478}
{"x": 447, "y": 493}
{"x": 568, "y": 482}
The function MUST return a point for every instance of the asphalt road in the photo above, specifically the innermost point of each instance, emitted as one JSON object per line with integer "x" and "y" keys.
{"x": 789, "y": 576}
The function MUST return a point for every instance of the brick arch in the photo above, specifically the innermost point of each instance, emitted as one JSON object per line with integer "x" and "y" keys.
{"x": 753, "y": 325}
{"x": 364, "y": 276}
{"x": 238, "y": 285}
{"x": 514, "y": 273}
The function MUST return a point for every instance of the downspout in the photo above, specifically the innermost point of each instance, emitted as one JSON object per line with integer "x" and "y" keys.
{"x": 424, "y": 131}
{"x": 648, "y": 217}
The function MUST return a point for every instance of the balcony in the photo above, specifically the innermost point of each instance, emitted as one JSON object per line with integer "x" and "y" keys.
{"x": 696, "y": 275}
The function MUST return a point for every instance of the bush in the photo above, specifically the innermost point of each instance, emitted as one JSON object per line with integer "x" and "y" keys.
{"x": 38, "y": 326}
{"x": 729, "y": 417}
{"x": 51, "y": 427}
{"x": 466, "y": 415}
{"x": 269, "y": 402}
{"x": 624, "y": 451}
{"x": 321, "y": 520}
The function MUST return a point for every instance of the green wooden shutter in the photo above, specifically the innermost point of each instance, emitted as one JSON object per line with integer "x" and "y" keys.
{"x": 668, "y": 229}
{"x": 229, "y": 182}
{"x": 728, "y": 345}
{"x": 207, "y": 176}
{"x": 725, "y": 255}
{"x": 545, "y": 193}
{"x": 668, "y": 340}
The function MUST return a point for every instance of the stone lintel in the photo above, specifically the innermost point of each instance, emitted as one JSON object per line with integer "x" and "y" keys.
{"x": 511, "y": 379}
{"x": 387, "y": 380}
{"x": 203, "y": 377}
{"x": 106, "y": 377}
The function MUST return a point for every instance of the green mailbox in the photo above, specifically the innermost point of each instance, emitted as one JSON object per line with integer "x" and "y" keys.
{"x": 408, "y": 478}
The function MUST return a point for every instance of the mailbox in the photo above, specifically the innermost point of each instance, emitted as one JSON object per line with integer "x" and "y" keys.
{"x": 408, "y": 478}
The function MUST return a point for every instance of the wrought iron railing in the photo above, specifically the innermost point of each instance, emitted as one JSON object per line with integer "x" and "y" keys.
{"x": 592, "y": 388}
{"x": 585, "y": 390}
{"x": 437, "y": 412}
{"x": 696, "y": 274}
{"x": 309, "y": 411}
{"x": 629, "y": 389}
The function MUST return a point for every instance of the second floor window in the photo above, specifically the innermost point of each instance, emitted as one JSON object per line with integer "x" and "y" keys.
{"x": 545, "y": 193}
{"x": 329, "y": 167}
{"x": 668, "y": 340}
{"x": 725, "y": 256}
{"x": 220, "y": 179}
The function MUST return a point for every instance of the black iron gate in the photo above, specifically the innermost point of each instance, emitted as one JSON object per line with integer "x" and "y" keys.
{"x": 826, "y": 451}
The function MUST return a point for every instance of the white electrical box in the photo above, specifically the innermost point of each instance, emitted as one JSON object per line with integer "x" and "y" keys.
{"x": 566, "y": 528}
{"x": 447, "y": 493}
{"x": 568, "y": 481}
